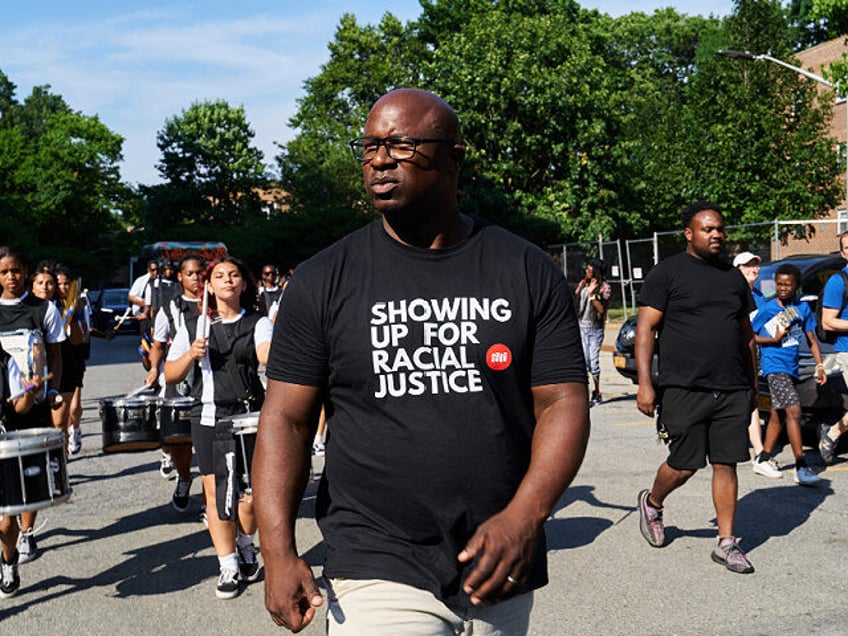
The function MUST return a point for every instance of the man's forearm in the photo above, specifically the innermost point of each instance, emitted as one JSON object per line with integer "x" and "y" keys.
{"x": 281, "y": 462}
{"x": 280, "y": 474}
{"x": 558, "y": 448}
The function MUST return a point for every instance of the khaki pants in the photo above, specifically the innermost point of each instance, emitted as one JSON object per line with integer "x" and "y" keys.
{"x": 384, "y": 608}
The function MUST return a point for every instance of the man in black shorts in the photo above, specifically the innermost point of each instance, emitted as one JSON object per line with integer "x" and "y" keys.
{"x": 698, "y": 305}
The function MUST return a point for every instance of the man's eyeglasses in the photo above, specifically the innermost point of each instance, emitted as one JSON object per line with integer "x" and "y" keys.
{"x": 398, "y": 148}
{"x": 268, "y": 273}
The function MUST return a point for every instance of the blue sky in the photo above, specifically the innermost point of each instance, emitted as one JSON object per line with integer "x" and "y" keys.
{"x": 134, "y": 64}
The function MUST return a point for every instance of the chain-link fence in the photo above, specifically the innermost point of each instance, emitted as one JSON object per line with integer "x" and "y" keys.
{"x": 628, "y": 267}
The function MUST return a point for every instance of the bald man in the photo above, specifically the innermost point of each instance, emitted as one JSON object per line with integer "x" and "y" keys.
{"x": 448, "y": 356}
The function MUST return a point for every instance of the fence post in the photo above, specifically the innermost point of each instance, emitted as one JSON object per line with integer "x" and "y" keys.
{"x": 776, "y": 240}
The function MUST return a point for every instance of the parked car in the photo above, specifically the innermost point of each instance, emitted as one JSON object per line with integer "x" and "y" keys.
{"x": 107, "y": 307}
{"x": 818, "y": 403}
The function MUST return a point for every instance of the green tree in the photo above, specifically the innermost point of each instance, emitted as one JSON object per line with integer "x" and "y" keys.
{"x": 59, "y": 179}
{"x": 317, "y": 168}
{"x": 542, "y": 104}
{"x": 751, "y": 136}
{"x": 211, "y": 171}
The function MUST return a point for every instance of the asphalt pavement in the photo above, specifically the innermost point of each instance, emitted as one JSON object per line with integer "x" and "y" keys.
{"x": 118, "y": 559}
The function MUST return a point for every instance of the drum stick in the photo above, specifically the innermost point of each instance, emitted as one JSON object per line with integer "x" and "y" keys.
{"x": 132, "y": 394}
{"x": 203, "y": 320}
{"x": 122, "y": 318}
{"x": 29, "y": 387}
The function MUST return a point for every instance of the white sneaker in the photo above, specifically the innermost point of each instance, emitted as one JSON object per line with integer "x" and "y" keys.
{"x": 228, "y": 584}
{"x": 166, "y": 467}
{"x": 805, "y": 476}
{"x": 74, "y": 441}
{"x": 767, "y": 468}
{"x": 27, "y": 549}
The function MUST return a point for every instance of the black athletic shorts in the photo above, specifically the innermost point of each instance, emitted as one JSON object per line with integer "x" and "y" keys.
{"x": 73, "y": 367}
{"x": 706, "y": 424}
{"x": 202, "y": 438}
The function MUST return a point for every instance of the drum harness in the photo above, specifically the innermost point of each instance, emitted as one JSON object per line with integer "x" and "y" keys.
{"x": 220, "y": 336}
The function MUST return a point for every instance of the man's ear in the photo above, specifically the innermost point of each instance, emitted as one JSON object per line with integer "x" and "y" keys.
{"x": 458, "y": 155}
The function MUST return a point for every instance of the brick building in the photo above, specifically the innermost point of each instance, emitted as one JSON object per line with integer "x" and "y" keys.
{"x": 816, "y": 59}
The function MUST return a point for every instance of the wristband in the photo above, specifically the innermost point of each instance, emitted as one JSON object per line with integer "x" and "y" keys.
{"x": 599, "y": 297}
{"x": 58, "y": 399}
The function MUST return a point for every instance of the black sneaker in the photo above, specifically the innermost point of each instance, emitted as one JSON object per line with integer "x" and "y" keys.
{"x": 10, "y": 582}
{"x": 248, "y": 565}
{"x": 228, "y": 585}
{"x": 181, "y": 494}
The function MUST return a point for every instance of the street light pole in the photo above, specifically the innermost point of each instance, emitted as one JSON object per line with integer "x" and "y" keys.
{"x": 746, "y": 55}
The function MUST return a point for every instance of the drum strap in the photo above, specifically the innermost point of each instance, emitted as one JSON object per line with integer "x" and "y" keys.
{"x": 5, "y": 389}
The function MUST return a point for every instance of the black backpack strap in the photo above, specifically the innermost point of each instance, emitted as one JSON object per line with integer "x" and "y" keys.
{"x": 844, "y": 290}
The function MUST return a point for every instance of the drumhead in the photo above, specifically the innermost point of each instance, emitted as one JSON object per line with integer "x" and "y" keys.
{"x": 30, "y": 441}
{"x": 176, "y": 401}
{"x": 133, "y": 402}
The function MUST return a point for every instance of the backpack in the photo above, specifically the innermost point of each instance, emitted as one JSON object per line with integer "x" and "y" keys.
{"x": 826, "y": 336}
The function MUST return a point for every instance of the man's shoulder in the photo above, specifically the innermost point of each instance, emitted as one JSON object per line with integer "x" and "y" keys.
{"x": 508, "y": 248}
{"x": 839, "y": 275}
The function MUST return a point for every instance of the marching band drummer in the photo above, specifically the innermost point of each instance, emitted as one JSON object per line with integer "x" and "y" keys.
{"x": 76, "y": 316}
{"x": 226, "y": 383}
{"x": 168, "y": 320}
{"x": 21, "y": 310}
{"x": 11, "y": 383}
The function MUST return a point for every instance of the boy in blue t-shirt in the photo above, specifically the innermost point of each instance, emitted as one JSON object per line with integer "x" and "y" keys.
{"x": 779, "y": 326}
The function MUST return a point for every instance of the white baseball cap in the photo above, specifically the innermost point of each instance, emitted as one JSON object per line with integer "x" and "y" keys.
{"x": 746, "y": 258}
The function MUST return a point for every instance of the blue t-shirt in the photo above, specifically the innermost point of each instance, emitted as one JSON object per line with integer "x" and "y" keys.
{"x": 832, "y": 298}
{"x": 759, "y": 299}
{"x": 782, "y": 357}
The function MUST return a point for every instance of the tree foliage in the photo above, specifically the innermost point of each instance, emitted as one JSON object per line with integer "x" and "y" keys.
{"x": 59, "y": 180}
{"x": 212, "y": 172}
{"x": 578, "y": 124}
{"x": 750, "y": 135}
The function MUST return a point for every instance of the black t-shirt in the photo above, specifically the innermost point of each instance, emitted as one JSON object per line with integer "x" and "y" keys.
{"x": 428, "y": 357}
{"x": 704, "y": 304}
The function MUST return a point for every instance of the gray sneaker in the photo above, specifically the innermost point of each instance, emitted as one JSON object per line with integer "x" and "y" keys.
{"x": 728, "y": 554}
{"x": 825, "y": 444}
{"x": 650, "y": 521}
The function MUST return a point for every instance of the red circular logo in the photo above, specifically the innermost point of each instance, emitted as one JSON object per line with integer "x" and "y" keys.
{"x": 498, "y": 357}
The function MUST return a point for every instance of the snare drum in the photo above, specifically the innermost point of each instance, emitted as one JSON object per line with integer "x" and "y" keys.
{"x": 245, "y": 427}
{"x": 33, "y": 470}
{"x": 129, "y": 424}
{"x": 175, "y": 419}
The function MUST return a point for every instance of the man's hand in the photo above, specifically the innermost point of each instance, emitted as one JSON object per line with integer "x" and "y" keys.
{"x": 503, "y": 546}
{"x": 646, "y": 398}
{"x": 291, "y": 594}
